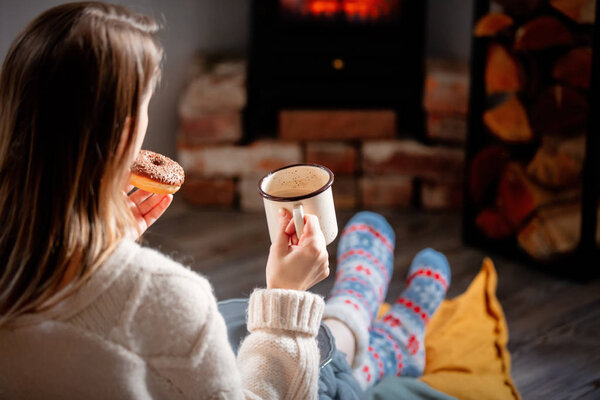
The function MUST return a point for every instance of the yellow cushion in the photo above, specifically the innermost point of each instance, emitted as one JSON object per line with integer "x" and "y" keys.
{"x": 465, "y": 344}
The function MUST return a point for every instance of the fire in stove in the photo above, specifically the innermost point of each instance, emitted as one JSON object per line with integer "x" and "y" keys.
{"x": 350, "y": 10}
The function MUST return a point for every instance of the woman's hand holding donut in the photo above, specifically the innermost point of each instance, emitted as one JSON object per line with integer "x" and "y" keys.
{"x": 146, "y": 208}
{"x": 297, "y": 266}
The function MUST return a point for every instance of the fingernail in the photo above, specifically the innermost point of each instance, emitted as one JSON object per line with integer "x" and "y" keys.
{"x": 282, "y": 212}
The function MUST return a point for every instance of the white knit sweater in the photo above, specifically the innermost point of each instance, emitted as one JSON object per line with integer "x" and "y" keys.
{"x": 145, "y": 327}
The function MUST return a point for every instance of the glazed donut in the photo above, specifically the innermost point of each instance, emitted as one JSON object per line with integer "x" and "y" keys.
{"x": 156, "y": 173}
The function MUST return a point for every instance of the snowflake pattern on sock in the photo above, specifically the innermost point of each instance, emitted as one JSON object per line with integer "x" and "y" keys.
{"x": 396, "y": 340}
{"x": 365, "y": 265}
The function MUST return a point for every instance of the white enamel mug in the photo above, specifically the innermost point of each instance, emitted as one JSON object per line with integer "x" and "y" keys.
{"x": 300, "y": 188}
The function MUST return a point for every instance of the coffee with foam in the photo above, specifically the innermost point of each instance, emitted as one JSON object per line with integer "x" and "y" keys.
{"x": 295, "y": 181}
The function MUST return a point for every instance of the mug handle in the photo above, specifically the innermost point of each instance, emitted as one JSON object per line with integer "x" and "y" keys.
{"x": 298, "y": 219}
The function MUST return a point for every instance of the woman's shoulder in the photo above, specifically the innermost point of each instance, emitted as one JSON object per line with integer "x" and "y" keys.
{"x": 168, "y": 305}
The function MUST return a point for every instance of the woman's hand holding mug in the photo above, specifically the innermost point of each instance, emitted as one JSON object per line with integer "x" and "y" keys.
{"x": 297, "y": 266}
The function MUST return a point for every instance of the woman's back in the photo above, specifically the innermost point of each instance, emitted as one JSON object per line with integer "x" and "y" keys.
{"x": 135, "y": 330}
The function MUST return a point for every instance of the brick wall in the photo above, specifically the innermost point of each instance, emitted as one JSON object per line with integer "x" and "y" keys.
{"x": 373, "y": 167}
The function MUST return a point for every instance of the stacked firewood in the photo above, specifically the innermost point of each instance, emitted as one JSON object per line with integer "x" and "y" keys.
{"x": 527, "y": 180}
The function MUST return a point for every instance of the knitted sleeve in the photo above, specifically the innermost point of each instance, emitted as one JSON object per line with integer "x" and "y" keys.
{"x": 280, "y": 358}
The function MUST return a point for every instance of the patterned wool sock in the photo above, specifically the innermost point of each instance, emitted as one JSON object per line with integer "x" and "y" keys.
{"x": 365, "y": 265}
{"x": 396, "y": 340}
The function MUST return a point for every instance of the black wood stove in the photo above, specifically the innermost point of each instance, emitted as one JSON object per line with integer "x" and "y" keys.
{"x": 335, "y": 55}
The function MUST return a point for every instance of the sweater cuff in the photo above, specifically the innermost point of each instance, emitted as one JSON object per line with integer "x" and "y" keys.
{"x": 290, "y": 310}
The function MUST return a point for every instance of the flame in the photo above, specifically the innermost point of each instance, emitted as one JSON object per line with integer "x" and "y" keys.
{"x": 352, "y": 9}
{"x": 326, "y": 7}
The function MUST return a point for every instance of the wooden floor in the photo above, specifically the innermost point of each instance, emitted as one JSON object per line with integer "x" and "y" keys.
{"x": 554, "y": 323}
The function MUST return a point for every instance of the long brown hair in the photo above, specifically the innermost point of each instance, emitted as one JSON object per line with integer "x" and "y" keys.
{"x": 70, "y": 87}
